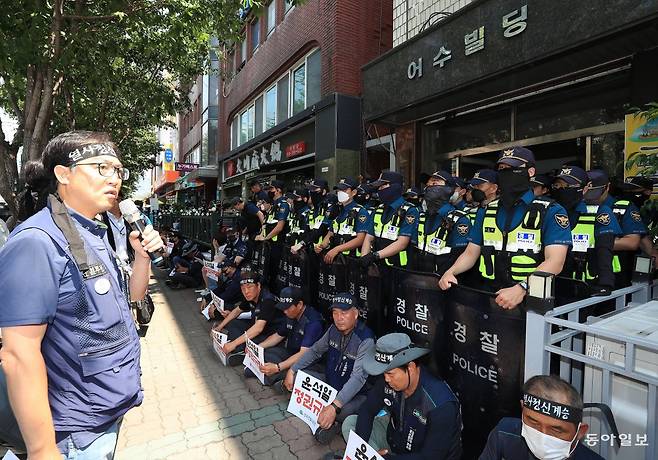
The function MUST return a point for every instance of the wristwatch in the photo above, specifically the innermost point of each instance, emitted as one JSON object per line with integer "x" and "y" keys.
{"x": 524, "y": 285}
{"x": 338, "y": 409}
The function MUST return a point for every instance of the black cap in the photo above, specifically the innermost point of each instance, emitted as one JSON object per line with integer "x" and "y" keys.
{"x": 445, "y": 176}
{"x": 278, "y": 184}
{"x": 598, "y": 178}
{"x": 517, "y": 157}
{"x": 262, "y": 195}
{"x": 412, "y": 192}
{"x": 544, "y": 180}
{"x": 459, "y": 182}
{"x": 343, "y": 301}
{"x": 347, "y": 182}
{"x": 642, "y": 182}
{"x": 388, "y": 177}
{"x": 318, "y": 183}
{"x": 235, "y": 200}
{"x": 289, "y": 296}
{"x": 483, "y": 176}
{"x": 573, "y": 175}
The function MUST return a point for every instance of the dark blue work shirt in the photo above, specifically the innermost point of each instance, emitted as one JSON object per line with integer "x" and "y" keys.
{"x": 631, "y": 222}
{"x": 461, "y": 204}
{"x": 282, "y": 209}
{"x": 553, "y": 229}
{"x": 304, "y": 332}
{"x": 505, "y": 442}
{"x": 604, "y": 222}
{"x": 90, "y": 347}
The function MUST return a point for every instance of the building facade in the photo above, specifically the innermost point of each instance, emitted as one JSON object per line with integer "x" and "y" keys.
{"x": 289, "y": 99}
{"x": 558, "y": 77}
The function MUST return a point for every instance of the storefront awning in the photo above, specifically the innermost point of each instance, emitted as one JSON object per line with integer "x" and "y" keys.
{"x": 185, "y": 183}
{"x": 204, "y": 172}
{"x": 169, "y": 177}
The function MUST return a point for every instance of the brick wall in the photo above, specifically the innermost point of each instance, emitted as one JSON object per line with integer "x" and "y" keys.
{"x": 348, "y": 34}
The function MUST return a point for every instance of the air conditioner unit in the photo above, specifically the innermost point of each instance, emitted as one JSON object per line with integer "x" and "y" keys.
{"x": 629, "y": 398}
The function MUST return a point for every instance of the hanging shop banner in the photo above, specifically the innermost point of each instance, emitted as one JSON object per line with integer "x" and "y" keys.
{"x": 168, "y": 163}
{"x": 483, "y": 359}
{"x": 640, "y": 143}
{"x": 254, "y": 358}
{"x": 309, "y": 396}
{"x": 218, "y": 341}
{"x": 365, "y": 284}
{"x": 186, "y": 167}
{"x": 415, "y": 306}
{"x": 358, "y": 449}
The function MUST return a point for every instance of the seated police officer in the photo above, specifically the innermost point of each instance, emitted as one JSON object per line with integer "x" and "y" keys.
{"x": 393, "y": 226}
{"x": 345, "y": 344}
{"x": 593, "y": 230}
{"x": 423, "y": 418}
{"x": 265, "y": 318}
{"x": 551, "y": 425}
{"x": 629, "y": 218}
{"x": 303, "y": 327}
{"x": 516, "y": 234}
{"x": 443, "y": 231}
{"x": 228, "y": 289}
{"x": 348, "y": 230}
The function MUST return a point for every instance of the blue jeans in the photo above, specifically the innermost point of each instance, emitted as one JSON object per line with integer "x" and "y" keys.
{"x": 101, "y": 449}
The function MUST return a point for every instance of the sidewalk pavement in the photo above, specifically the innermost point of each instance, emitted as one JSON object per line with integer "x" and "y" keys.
{"x": 195, "y": 408}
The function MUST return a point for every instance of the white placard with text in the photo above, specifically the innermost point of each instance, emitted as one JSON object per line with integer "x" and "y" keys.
{"x": 309, "y": 396}
{"x": 358, "y": 449}
{"x": 218, "y": 341}
{"x": 254, "y": 357}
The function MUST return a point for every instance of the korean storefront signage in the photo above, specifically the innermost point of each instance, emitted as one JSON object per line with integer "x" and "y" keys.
{"x": 296, "y": 149}
{"x": 254, "y": 159}
{"x": 482, "y": 41}
{"x": 186, "y": 167}
{"x": 168, "y": 163}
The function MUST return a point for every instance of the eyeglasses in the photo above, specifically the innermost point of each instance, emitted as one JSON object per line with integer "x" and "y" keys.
{"x": 108, "y": 170}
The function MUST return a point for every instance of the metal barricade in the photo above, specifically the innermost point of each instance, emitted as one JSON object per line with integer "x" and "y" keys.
{"x": 607, "y": 363}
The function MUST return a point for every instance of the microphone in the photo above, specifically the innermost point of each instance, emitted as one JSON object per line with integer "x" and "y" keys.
{"x": 134, "y": 218}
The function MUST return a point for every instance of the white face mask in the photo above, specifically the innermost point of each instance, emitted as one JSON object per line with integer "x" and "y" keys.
{"x": 343, "y": 197}
{"x": 454, "y": 198}
{"x": 546, "y": 447}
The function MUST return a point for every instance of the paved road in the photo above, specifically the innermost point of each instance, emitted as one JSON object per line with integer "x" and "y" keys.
{"x": 195, "y": 408}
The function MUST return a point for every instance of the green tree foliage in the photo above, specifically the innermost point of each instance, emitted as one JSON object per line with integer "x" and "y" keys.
{"x": 102, "y": 65}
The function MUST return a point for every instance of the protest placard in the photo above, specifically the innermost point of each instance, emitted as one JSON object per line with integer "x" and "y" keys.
{"x": 254, "y": 357}
{"x": 170, "y": 247}
{"x": 218, "y": 341}
{"x": 211, "y": 270}
{"x": 358, "y": 449}
{"x": 309, "y": 396}
{"x": 206, "y": 312}
{"x": 218, "y": 301}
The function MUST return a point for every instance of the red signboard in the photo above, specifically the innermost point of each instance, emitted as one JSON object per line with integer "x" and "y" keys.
{"x": 296, "y": 149}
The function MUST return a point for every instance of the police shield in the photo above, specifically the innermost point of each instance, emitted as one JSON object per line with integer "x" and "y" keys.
{"x": 298, "y": 273}
{"x": 483, "y": 360}
{"x": 415, "y": 306}
{"x": 365, "y": 284}
{"x": 261, "y": 259}
{"x": 332, "y": 278}
{"x": 281, "y": 279}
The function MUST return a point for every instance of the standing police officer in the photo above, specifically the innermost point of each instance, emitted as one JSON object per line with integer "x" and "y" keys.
{"x": 443, "y": 231}
{"x": 483, "y": 190}
{"x": 349, "y": 229}
{"x": 275, "y": 227}
{"x": 70, "y": 350}
{"x": 458, "y": 198}
{"x": 516, "y": 234}
{"x": 629, "y": 218}
{"x": 394, "y": 224}
{"x": 252, "y": 216}
{"x": 593, "y": 230}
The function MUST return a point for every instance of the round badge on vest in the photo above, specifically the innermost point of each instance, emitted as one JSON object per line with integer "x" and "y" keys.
{"x": 102, "y": 286}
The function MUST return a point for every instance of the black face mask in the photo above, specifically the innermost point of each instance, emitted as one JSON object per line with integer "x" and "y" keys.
{"x": 593, "y": 195}
{"x": 478, "y": 195}
{"x": 271, "y": 195}
{"x": 512, "y": 183}
{"x": 569, "y": 197}
{"x": 316, "y": 198}
{"x": 436, "y": 196}
{"x": 361, "y": 199}
{"x": 391, "y": 193}
{"x": 298, "y": 205}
